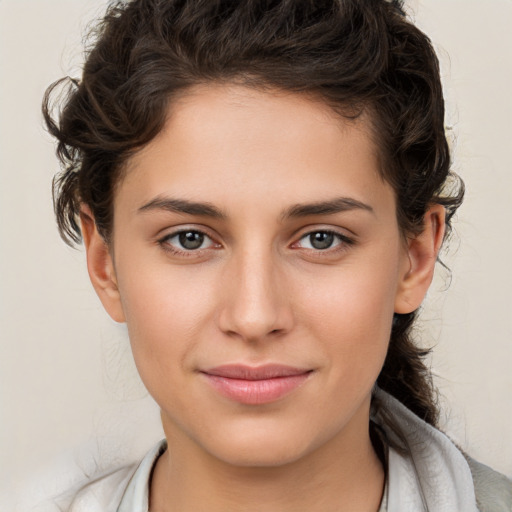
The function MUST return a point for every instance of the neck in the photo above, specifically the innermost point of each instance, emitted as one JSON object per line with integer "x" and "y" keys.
{"x": 344, "y": 475}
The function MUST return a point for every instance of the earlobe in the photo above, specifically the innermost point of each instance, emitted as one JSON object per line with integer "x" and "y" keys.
{"x": 101, "y": 266}
{"x": 422, "y": 251}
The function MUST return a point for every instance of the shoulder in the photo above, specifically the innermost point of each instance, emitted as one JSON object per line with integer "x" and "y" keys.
{"x": 426, "y": 466}
{"x": 492, "y": 489}
{"x": 104, "y": 493}
{"x": 123, "y": 490}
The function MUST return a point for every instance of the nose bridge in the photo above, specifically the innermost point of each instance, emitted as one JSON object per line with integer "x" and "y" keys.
{"x": 255, "y": 305}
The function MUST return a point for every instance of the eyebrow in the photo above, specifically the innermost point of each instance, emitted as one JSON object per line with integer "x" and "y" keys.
{"x": 182, "y": 206}
{"x": 330, "y": 207}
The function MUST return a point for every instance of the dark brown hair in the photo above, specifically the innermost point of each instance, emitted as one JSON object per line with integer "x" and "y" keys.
{"x": 355, "y": 55}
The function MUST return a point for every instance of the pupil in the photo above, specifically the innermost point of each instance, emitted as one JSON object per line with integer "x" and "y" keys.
{"x": 321, "y": 240}
{"x": 191, "y": 240}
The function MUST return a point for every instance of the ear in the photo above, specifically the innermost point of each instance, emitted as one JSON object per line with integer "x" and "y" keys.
{"x": 422, "y": 251}
{"x": 100, "y": 266}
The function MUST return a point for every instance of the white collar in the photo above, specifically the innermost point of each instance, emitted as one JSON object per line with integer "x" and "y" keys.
{"x": 136, "y": 495}
{"x": 431, "y": 474}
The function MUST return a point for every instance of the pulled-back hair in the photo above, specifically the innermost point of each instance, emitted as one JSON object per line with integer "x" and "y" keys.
{"x": 355, "y": 55}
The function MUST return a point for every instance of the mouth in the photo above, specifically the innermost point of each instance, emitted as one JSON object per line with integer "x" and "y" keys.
{"x": 256, "y": 385}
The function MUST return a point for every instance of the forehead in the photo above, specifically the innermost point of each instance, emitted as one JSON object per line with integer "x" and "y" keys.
{"x": 232, "y": 144}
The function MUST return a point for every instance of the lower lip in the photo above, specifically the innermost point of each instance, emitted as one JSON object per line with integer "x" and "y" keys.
{"x": 256, "y": 392}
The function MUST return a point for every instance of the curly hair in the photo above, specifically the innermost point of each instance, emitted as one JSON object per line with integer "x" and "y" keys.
{"x": 355, "y": 55}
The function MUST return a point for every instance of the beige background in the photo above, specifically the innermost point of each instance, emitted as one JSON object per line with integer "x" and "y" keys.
{"x": 69, "y": 396}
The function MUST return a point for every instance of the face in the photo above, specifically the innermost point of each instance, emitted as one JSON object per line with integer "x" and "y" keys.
{"x": 257, "y": 261}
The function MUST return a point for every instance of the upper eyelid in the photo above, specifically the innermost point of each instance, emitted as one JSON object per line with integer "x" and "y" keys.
{"x": 324, "y": 226}
{"x": 324, "y": 230}
{"x": 343, "y": 233}
{"x": 170, "y": 232}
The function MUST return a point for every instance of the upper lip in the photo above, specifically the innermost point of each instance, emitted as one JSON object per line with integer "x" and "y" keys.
{"x": 245, "y": 372}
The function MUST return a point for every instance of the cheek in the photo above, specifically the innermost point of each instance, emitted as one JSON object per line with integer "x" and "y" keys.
{"x": 160, "y": 300}
{"x": 351, "y": 311}
{"x": 164, "y": 313}
{"x": 350, "y": 299}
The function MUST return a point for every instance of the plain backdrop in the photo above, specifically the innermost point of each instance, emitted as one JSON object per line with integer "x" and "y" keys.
{"x": 70, "y": 398}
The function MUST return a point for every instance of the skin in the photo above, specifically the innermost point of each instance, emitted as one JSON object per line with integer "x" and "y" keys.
{"x": 257, "y": 291}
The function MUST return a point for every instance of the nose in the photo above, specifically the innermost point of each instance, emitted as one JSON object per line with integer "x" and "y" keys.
{"x": 255, "y": 303}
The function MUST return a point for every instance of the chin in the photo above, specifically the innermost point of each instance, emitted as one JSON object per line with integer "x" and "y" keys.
{"x": 259, "y": 456}
{"x": 257, "y": 446}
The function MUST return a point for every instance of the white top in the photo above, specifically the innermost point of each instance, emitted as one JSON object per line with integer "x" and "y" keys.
{"x": 431, "y": 475}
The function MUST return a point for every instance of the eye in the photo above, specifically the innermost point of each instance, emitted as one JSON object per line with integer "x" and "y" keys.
{"x": 188, "y": 240}
{"x": 323, "y": 240}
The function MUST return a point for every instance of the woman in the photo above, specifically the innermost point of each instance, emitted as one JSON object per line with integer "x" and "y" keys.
{"x": 263, "y": 189}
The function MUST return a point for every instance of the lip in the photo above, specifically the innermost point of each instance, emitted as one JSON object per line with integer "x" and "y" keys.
{"x": 256, "y": 385}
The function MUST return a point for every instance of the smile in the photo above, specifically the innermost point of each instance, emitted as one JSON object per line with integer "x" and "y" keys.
{"x": 255, "y": 385}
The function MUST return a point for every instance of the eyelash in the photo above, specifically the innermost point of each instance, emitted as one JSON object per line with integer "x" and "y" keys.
{"x": 164, "y": 242}
{"x": 343, "y": 242}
